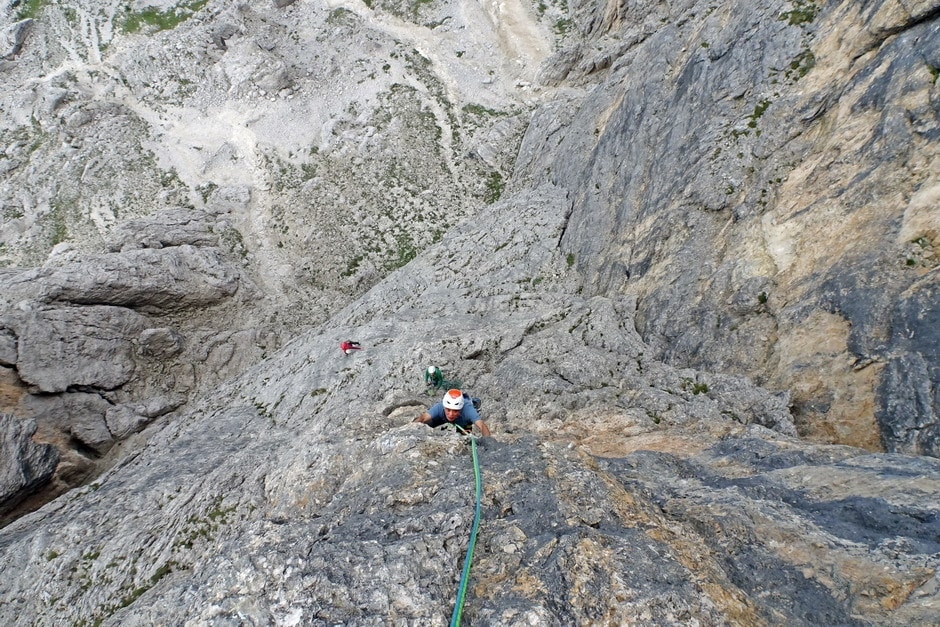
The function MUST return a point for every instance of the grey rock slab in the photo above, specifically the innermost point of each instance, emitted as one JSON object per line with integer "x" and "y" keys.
{"x": 171, "y": 227}
{"x": 73, "y": 415}
{"x": 127, "y": 418}
{"x": 12, "y": 38}
{"x": 59, "y": 347}
{"x": 161, "y": 342}
{"x": 24, "y": 463}
{"x": 151, "y": 280}
{"x": 7, "y": 348}
{"x": 302, "y": 491}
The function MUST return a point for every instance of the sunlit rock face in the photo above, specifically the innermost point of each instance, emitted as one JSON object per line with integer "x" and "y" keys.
{"x": 684, "y": 254}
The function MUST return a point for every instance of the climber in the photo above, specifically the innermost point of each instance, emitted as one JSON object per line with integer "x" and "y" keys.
{"x": 454, "y": 410}
{"x": 433, "y": 377}
{"x": 349, "y": 346}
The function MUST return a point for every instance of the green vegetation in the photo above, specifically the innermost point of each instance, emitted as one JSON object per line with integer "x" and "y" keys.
{"x": 30, "y": 9}
{"x": 494, "y": 188}
{"x": 232, "y": 239}
{"x": 205, "y": 190}
{"x": 694, "y": 386}
{"x": 798, "y": 67}
{"x": 403, "y": 9}
{"x": 570, "y": 259}
{"x": 758, "y": 112}
{"x": 803, "y": 63}
{"x": 562, "y": 26}
{"x": 157, "y": 20}
{"x": 803, "y": 12}
{"x": 480, "y": 110}
{"x": 339, "y": 15}
{"x": 204, "y": 528}
{"x": 353, "y": 265}
{"x": 60, "y": 231}
{"x": 934, "y": 73}
{"x": 405, "y": 251}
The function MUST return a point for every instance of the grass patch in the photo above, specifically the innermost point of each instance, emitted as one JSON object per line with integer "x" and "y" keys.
{"x": 494, "y": 188}
{"x": 758, "y": 112}
{"x": 803, "y": 63}
{"x": 30, "y": 9}
{"x": 404, "y": 253}
{"x": 156, "y": 20}
{"x": 803, "y": 12}
{"x": 480, "y": 110}
{"x": 562, "y": 26}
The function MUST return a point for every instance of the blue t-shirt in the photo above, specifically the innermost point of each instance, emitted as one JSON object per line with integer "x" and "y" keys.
{"x": 468, "y": 416}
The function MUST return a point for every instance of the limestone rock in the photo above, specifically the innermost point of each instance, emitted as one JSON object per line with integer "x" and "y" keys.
{"x": 718, "y": 232}
{"x": 149, "y": 280}
{"x": 12, "y": 38}
{"x": 7, "y": 348}
{"x": 74, "y": 415}
{"x": 710, "y": 179}
{"x": 126, "y": 418}
{"x": 60, "y": 347}
{"x": 173, "y": 227}
{"x": 161, "y": 342}
{"x": 24, "y": 463}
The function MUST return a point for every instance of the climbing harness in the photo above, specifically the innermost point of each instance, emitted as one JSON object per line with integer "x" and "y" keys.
{"x": 465, "y": 575}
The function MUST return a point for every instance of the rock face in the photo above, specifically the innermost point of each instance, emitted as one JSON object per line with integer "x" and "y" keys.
{"x": 685, "y": 253}
{"x": 617, "y": 489}
{"x": 746, "y": 204}
{"x": 24, "y": 464}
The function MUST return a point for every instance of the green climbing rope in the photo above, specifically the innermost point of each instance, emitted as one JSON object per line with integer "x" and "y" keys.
{"x": 465, "y": 575}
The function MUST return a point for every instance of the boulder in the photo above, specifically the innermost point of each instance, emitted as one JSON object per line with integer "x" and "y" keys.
{"x": 12, "y": 38}
{"x": 171, "y": 227}
{"x": 162, "y": 342}
{"x": 24, "y": 464}
{"x": 149, "y": 280}
{"x": 127, "y": 418}
{"x": 75, "y": 418}
{"x": 60, "y": 347}
{"x": 7, "y": 348}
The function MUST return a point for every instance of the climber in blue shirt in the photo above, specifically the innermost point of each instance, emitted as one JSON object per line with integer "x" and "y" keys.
{"x": 454, "y": 410}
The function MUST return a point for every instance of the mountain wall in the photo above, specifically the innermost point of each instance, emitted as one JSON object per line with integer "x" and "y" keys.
{"x": 683, "y": 252}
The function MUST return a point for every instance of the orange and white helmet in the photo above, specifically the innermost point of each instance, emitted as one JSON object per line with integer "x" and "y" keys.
{"x": 453, "y": 399}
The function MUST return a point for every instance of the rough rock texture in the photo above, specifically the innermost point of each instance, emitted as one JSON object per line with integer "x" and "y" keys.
{"x": 773, "y": 206}
{"x": 618, "y": 489}
{"x": 684, "y": 252}
{"x": 24, "y": 464}
{"x": 62, "y": 347}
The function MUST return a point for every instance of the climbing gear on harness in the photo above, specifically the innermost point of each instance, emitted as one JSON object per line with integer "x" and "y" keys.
{"x": 465, "y": 575}
{"x": 473, "y": 400}
{"x": 453, "y": 399}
